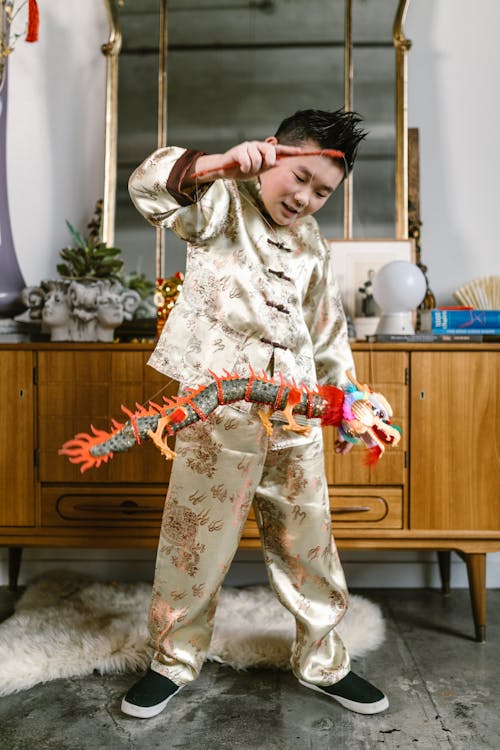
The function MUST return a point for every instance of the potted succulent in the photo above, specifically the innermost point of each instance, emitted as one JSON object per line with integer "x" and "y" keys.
{"x": 89, "y": 300}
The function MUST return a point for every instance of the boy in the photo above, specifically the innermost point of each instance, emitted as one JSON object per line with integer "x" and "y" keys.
{"x": 259, "y": 292}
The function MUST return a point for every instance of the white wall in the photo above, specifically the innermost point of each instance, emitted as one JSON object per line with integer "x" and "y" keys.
{"x": 55, "y": 131}
{"x": 55, "y": 156}
{"x": 454, "y": 74}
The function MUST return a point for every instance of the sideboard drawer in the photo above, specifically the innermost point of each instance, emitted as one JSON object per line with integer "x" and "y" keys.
{"x": 367, "y": 507}
{"x": 355, "y": 507}
{"x": 72, "y": 506}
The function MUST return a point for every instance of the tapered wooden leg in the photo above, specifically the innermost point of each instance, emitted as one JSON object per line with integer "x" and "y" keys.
{"x": 15, "y": 555}
{"x": 444, "y": 560}
{"x": 476, "y": 571}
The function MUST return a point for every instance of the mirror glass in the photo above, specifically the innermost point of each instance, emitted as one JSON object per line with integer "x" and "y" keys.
{"x": 374, "y": 78}
{"x": 236, "y": 68}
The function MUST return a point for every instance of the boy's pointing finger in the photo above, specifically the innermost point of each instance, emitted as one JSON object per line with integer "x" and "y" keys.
{"x": 268, "y": 155}
{"x": 288, "y": 150}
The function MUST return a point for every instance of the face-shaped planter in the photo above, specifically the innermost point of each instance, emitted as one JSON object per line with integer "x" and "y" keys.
{"x": 81, "y": 310}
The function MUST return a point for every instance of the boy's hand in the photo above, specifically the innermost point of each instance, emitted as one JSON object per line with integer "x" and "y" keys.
{"x": 254, "y": 157}
{"x": 343, "y": 446}
{"x": 247, "y": 160}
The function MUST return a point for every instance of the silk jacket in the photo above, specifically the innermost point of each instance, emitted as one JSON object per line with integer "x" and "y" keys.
{"x": 254, "y": 293}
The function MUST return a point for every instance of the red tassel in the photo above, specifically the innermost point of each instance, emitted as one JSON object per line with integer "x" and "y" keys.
{"x": 33, "y": 21}
{"x": 372, "y": 455}
{"x": 332, "y": 411}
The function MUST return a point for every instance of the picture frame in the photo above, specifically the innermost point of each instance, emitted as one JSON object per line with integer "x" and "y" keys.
{"x": 355, "y": 263}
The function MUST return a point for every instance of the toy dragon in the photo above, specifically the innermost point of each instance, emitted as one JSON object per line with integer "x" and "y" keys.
{"x": 355, "y": 409}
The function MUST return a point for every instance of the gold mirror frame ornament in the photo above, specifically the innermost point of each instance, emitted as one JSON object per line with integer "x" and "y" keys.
{"x": 348, "y": 106}
{"x": 162, "y": 122}
{"x": 402, "y": 46}
{"x": 112, "y": 48}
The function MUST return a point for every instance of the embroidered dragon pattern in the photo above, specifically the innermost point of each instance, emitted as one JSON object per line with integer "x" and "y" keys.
{"x": 355, "y": 409}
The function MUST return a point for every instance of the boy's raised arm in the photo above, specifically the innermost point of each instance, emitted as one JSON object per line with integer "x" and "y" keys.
{"x": 241, "y": 162}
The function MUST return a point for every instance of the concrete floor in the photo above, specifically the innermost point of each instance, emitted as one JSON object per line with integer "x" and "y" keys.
{"x": 444, "y": 690}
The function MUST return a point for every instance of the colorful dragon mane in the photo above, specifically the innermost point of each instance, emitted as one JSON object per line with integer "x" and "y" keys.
{"x": 357, "y": 411}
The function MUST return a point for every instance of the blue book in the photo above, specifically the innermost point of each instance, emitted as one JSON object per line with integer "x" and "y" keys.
{"x": 473, "y": 331}
{"x": 461, "y": 321}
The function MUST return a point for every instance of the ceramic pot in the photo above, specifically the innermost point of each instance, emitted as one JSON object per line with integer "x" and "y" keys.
{"x": 11, "y": 278}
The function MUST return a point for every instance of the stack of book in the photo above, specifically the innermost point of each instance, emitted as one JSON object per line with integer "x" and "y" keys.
{"x": 461, "y": 323}
{"x": 451, "y": 324}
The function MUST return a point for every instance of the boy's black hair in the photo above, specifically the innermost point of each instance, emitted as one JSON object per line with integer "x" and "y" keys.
{"x": 337, "y": 130}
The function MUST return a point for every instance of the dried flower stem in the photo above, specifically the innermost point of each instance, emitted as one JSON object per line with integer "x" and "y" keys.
{"x": 8, "y": 37}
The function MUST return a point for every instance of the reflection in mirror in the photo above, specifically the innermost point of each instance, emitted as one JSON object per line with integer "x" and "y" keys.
{"x": 137, "y": 126}
{"x": 235, "y": 70}
{"x": 374, "y": 209}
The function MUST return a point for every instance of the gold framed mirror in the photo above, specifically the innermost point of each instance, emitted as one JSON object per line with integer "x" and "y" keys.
{"x": 231, "y": 71}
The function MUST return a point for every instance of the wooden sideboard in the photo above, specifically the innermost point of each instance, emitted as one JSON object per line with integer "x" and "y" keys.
{"x": 439, "y": 490}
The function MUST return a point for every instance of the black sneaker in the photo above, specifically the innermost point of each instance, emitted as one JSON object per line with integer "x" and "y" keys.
{"x": 149, "y": 696}
{"x": 354, "y": 693}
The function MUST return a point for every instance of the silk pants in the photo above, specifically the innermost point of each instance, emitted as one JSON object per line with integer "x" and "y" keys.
{"x": 222, "y": 465}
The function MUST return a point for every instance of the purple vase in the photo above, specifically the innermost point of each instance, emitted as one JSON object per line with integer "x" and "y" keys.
{"x": 11, "y": 278}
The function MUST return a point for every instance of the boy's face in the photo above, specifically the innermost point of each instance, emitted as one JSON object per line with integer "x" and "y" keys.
{"x": 299, "y": 185}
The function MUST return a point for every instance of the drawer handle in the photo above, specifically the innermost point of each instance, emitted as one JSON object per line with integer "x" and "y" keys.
{"x": 128, "y": 506}
{"x": 352, "y": 509}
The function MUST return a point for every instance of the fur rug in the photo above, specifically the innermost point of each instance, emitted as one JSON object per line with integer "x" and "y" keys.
{"x": 67, "y": 625}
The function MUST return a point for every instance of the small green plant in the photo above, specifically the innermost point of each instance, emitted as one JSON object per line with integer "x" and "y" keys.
{"x": 138, "y": 282}
{"x": 90, "y": 258}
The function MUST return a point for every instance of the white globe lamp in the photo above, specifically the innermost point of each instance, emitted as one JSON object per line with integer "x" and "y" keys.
{"x": 398, "y": 288}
